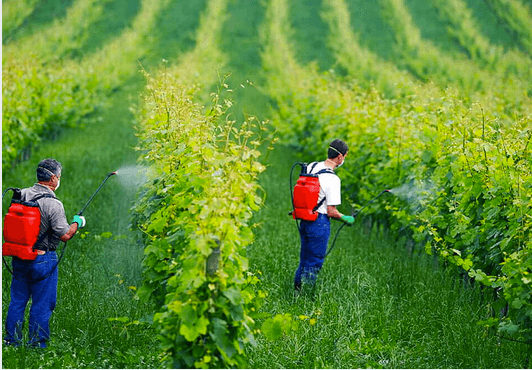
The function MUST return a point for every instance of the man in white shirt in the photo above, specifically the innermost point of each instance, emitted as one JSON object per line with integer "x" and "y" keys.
{"x": 315, "y": 234}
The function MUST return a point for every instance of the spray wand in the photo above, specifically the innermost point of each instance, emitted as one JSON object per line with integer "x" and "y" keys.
{"x": 65, "y": 243}
{"x": 79, "y": 214}
{"x": 96, "y": 192}
{"x": 355, "y": 214}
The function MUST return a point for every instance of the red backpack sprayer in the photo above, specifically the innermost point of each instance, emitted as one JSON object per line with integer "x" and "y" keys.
{"x": 22, "y": 227}
{"x": 305, "y": 196}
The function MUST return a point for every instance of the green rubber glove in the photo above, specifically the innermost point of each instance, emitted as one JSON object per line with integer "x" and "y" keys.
{"x": 80, "y": 220}
{"x": 350, "y": 220}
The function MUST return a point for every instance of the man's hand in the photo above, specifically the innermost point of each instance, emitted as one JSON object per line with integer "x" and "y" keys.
{"x": 80, "y": 220}
{"x": 349, "y": 220}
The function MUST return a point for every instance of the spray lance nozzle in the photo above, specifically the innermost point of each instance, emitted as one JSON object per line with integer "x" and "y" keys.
{"x": 96, "y": 192}
{"x": 355, "y": 213}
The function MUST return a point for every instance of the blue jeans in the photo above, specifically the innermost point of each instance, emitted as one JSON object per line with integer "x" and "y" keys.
{"x": 314, "y": 240}
{"x": 43, "y": 295}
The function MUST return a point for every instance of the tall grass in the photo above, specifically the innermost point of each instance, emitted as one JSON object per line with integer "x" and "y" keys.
{"x": 241, "y": 32}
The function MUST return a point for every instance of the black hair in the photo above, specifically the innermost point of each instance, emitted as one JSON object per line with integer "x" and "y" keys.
{"x": 336, "y": 148}
{"x": 47, "y": 168}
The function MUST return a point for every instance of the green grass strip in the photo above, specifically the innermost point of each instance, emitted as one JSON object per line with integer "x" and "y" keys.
{"x": 465, "y": 30}
{"x": 518, "y": 20}
{"x": 361, "y": 64}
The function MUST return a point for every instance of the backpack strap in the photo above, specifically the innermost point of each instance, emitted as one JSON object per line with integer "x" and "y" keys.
{"x": 313, "y": 165}
{"x": 48, "y": 232}
{"x": 43, "y": 196}
{"x": 318, "y": 205}
{"x": 325, "y": 170}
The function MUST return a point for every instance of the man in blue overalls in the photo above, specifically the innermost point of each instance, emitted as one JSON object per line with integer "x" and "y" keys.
{"x": 38, "y": 278}
{"x": 315, "y": 234}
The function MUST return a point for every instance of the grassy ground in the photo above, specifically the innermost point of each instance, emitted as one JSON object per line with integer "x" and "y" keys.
{"x": 310, "y": 33}
{"x": 375, "y": 34}
{"x": 431, "y": 26}
{"x": 174, "y": 34}
{"x": 375, "y": 304}
{"x": 109, "y": 26}
{"x": 490, "y": 25}
{"x": 241, "y": 33}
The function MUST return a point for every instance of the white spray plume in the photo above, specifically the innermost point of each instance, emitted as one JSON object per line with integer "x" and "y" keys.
{"x": 416, "y": 194}
{"x": 132, "y": 176}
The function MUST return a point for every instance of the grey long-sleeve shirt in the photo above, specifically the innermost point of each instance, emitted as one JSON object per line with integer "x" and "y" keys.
{"x": 52, "y": 215}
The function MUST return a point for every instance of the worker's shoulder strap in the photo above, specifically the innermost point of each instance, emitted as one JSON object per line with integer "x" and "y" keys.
{"x": 325, "y": 170}
{"x": 43, "y": 196}
{"x": 49, "y": 231}
{"x": 33, "y": 201}
{"x": 17, "y": 197}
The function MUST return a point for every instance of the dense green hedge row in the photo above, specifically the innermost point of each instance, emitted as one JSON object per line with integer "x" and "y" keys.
{"x": 195, "y": 212}
{"x": 43, "y": 92}
{"x": 462, "y": 172}
{"x": 38, "y": 99}
{"x": 195, "y": 217}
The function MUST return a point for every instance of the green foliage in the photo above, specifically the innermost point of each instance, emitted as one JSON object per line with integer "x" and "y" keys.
{"x": 13, "y": 14}
{"x": 37, "y": 100}
{"x": 462, "y": 172}
{"x": 42, "y": 93}
{"x": 195, "y": 216}
{"x": 274, "y": 328}
{"x": 465, "y": 30}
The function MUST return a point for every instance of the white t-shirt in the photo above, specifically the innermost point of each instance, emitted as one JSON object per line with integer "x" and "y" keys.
{"x": 330, "y": 186}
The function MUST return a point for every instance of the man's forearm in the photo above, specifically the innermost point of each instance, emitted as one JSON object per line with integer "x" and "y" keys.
{"x": 333, "y": 212}
{"x": 70, "y": 233}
